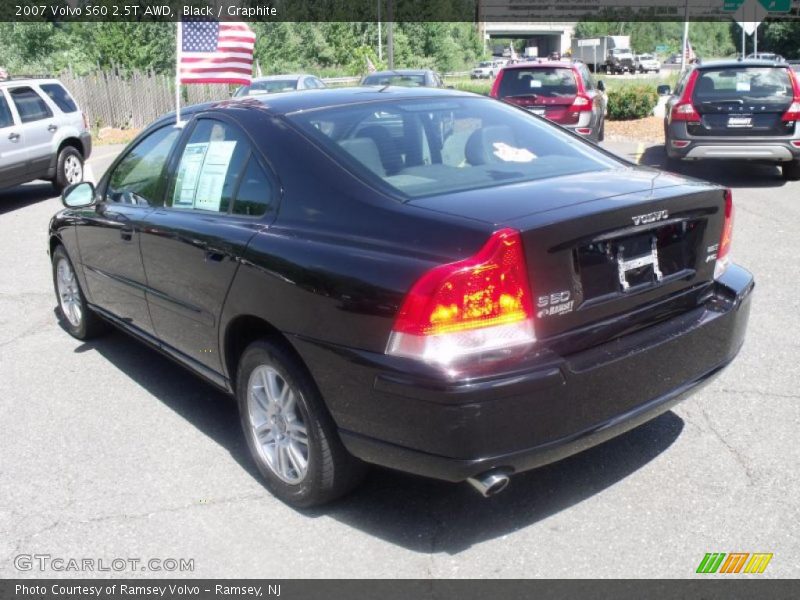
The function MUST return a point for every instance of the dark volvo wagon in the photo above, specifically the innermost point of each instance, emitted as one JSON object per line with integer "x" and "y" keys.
{"x": 423, "y": 279}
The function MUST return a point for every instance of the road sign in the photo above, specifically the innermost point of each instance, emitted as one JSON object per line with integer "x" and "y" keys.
{"x": 732, "y": 5}
{"x": 661, "y": 48}
{"x": 589, "y": 43}
{"x": 776, "y": 6}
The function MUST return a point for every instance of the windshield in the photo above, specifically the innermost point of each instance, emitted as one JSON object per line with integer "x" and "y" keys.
{"x": 268, "y": 87}
{"x": 547, "y": 82}
{"x": 621, "y": 51}
{"x": 767, "y": 85}
{"x": 415, "y": 148}
{"x": 396, "y": 79}
{"x": 486, "y": 64}
{"x": 645, "y": 57}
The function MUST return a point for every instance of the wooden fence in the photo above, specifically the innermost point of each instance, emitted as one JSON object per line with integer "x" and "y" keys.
{"x": 136, "y": 99}
{"x": 112, "y": 99}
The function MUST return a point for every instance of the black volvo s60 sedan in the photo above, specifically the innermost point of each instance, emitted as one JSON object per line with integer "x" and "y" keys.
{"x": 423, "y": 279}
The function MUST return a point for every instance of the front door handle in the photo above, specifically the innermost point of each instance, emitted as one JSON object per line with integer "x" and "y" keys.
{"x": 14, "y": 137}
{"x": 52, "y": 127}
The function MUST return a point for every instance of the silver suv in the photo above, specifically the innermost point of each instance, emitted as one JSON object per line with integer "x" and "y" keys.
{"x": 43, "y": 133}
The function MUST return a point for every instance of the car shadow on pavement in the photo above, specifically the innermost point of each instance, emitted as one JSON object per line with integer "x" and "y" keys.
{"x": 730, "y": 173}
{"x": 419, "y": 514}
{"x": 24, "y": 195}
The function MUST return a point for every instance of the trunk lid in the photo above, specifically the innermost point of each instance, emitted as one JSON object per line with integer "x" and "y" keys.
{"x": 623, "y": 248}
{"x": 546, "y": 91}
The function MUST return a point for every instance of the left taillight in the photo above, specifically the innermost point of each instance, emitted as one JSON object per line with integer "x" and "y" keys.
{"x": 723, "y": 251}
{"x": 474, "y": 307}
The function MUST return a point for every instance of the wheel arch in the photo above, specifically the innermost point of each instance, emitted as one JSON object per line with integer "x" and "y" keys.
{"x": 75, "y": 143}
{"x": 242, "y": 331}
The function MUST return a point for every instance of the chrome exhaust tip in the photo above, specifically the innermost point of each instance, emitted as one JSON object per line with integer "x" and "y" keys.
{"x": 490, "y": 483}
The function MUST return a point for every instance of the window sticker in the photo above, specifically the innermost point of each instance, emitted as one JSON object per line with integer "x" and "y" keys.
{"x": 212, "y": 176}
{"x": 536, "y": 83}
{"x": 742, "y": 82}
{"x": 201, "y": 175}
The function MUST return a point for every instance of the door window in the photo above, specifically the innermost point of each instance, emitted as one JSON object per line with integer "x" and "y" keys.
{"x": 6, "y": 120}
{"x": 219, "y": 173}
{"x": 138, "y": 178}
{"x": 30, "y": 105}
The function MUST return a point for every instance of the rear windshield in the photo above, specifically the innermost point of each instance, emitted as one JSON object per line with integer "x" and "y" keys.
{"x": 396, "y": 79}
{"x": 269, "y": 87}
{"x": 769, "y": 85}
{"x": 542, "y": 81}
{"x": 416, "y": 148}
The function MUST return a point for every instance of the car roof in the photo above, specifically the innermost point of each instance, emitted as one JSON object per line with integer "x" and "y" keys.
{"x": 280, "y": 77}
{"x": 29, "y": 81}
{"x": 401, "y": 72}
{"x": 307, "y": 100}
{"x": 543, "y": 64}
{"x": 748, "y": 62}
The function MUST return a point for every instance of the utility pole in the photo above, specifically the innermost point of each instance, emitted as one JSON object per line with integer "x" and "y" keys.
{"x": 380, "y": 36}
{"x": 685, "y": 35}
{"x": 390, "y": 34}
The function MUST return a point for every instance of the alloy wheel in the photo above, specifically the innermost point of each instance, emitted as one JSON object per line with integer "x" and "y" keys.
{"x": 277, "y": 424}
{"x": 69, "y": 295}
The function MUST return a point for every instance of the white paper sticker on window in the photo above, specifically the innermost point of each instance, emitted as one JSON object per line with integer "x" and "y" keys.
{"x": 508, "y": 153}
{"x": 742, "y": 86}
{"x": 536, "y": 83}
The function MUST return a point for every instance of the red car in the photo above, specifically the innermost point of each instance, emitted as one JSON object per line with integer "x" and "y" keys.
{"x": 563, "y": 92}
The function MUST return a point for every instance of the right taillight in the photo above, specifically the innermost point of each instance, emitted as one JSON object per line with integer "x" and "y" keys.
{"x": 793, "y": 112}
{"x": 723, "y": 251}
{"x": 581, "y": 103}
{"x": 684, "y": 109}
{"x": 472, "y": 308}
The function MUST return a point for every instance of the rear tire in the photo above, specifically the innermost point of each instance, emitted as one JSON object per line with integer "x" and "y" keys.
{"x": 69, "y": 168}
{"x": 290, "y": 434}
{"x": 791, "y": 170}
{"x": 73, "y": 312}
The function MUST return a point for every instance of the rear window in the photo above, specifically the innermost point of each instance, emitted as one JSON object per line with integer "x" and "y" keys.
{"x": 396, "y": 79}
{"x": 761, "y": 84}
{"x": 424, "y": 147}
{"x": 548, "y": 82}
{"x": 60, "y": 97}
{"x": 29, "y": 105}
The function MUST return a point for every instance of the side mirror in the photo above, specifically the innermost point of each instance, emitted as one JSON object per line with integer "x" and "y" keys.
{"x": 601, "y": 86}
{"x": 78, "y": 195}
{"x": 664, "y": 90}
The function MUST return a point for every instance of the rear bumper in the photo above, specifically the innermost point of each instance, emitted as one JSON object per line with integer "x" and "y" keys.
{"x": 399, "y": 415}
{"x": 741, "y": 148}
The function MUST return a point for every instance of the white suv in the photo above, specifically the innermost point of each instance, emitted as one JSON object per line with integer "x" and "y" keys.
{"x": 43, "y": 133}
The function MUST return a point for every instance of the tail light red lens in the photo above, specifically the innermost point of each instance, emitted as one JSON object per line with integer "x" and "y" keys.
{"x": 581, "y": 103}
{"x": 723, "y": 252}
{"x": 684, "y": 110}
{"x": 495, "y": 93}
{"x": 793, "y": 112}
{"x": 470, "y": 307}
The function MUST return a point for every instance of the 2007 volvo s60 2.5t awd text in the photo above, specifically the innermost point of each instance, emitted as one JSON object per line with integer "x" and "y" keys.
{"x": 423, "y": 279}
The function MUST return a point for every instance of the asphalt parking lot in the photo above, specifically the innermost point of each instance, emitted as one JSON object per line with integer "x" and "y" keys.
{"x": 109, "y": 450}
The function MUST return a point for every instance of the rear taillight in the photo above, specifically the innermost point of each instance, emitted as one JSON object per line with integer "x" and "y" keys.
{"x": 793, "y": 112}
{"x": 684, "y": 110}
{"x": 477, "y": 306}
{"x": 723, "y": 251}
{"x": 581, "y": 103}
{"x": 495, "y": 93}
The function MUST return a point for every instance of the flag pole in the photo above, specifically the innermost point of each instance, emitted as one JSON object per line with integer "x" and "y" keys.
{"x": 179, "y": 40}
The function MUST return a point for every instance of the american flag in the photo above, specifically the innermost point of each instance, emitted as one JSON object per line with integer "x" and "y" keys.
{"x": 215, "y": 52}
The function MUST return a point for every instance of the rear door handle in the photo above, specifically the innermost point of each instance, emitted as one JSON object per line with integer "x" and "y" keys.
{"x": 52, "y": 127}
{"x": 14, "y": 137}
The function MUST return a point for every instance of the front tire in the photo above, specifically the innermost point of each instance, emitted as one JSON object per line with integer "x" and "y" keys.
{"x": 791, "y": 170}
{"x": 73, "y": 312}
{"x": 289, "y": 432}
{"x": 69, "y": 168}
